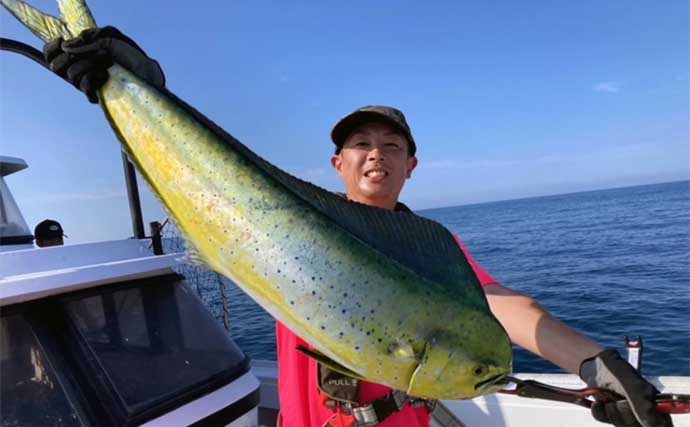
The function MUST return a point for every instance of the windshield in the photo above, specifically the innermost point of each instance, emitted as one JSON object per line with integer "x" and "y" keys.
{"x": 29, "y": 381}
{"x": 12, "y": 225}
{"x": 126, "y": 353}
{"x": 154, "y": 340}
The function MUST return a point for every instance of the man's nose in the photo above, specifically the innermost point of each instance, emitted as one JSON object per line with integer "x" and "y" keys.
{"x": 375, "y": 154}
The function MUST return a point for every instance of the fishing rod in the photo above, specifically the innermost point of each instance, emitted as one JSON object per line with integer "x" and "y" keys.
{"x": 666, "y": 403}
{"x": 24, "y": 50}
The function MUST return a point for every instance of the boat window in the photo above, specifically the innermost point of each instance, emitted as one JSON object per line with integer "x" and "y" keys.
{"x": 13, "y": 228}
{"x": 154, "y": 339}
{"x": 28, "y": 380}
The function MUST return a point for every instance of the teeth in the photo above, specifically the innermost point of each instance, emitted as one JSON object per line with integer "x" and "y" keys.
{"x": 376, "y": 173}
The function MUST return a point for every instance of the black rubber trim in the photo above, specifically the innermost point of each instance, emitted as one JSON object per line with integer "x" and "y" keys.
{"x": 189, "y": 395}
{"x": 16, "y": 240}
{"x": 232, "y": 412}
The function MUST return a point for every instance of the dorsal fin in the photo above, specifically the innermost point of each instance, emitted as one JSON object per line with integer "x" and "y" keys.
{"x": 420, "y": 244}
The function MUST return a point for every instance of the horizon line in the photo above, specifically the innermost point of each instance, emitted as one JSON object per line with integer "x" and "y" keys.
{"x": 553, "y": 195}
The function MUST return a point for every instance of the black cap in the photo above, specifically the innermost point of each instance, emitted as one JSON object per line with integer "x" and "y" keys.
{"x": 48, "y": 229}
{"x": 372, "y": 113}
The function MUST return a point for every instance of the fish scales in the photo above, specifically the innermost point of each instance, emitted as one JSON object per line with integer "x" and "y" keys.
{"x": 272, "y": 243}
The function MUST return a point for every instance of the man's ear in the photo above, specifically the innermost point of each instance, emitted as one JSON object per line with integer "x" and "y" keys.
{"x": 337, "y": 163}
{"x": 411, "y": 164}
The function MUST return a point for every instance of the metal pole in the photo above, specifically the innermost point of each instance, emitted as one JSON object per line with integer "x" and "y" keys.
{"x": 133, "y": 196}
{"x": 156, "y": 240}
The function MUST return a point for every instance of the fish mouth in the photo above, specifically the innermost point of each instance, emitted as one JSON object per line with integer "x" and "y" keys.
{"x": 490, "y": 382}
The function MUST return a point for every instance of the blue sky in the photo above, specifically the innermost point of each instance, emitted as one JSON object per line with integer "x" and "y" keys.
{"x": 505, "y": 99}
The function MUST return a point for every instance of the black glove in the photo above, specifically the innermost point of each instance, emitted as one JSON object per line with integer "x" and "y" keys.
{"x": 608, "y": 371}
{"x": 84, "y": 61}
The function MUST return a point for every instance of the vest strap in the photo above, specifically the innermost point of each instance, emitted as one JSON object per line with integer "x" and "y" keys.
{"x": 378, "y": 410}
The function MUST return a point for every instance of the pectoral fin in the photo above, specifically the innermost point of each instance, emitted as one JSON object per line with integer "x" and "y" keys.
{"x": 328, "y": 362}
{"x": 403, "y": 351}
{"x": 427, "y": 378}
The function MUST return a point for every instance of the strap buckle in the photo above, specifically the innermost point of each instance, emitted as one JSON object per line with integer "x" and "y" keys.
{"x": 365, "y": 415}
{"x": 377, "y": 411}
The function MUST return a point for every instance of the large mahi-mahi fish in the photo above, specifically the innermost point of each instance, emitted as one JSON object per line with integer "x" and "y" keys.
{"x": 382, "y": 295}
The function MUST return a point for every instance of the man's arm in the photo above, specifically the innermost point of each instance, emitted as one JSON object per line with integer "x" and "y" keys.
{"x": 534, "y": 329}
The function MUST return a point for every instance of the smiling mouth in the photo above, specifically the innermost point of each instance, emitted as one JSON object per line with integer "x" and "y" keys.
{"x": 375, "y": 174}
{"x": 489, "y": 382}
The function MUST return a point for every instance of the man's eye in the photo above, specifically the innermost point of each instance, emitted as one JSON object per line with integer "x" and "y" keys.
{"x": 361, "y": 143}
{"x": 392, "y": 144}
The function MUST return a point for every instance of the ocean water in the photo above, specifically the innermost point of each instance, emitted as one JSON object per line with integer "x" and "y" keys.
{"x": 608, "y": 263}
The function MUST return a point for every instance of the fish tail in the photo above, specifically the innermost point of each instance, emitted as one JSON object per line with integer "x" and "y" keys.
{"x": 75, "y": 13}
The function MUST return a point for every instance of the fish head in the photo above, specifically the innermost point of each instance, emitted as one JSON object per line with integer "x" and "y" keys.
{"x": 457, "y": 365}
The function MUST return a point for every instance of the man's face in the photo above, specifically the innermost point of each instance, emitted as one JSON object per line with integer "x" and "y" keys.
{"x": 50, "y": 241}
{"x": 374, "y": 164}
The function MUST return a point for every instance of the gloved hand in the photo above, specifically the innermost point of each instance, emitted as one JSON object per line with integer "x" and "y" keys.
{"x": 84, "y": 61}
{"x": 608, "y": 371}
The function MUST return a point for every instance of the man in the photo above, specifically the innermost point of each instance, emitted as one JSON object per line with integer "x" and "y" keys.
{"x": 49, "y": 233}
{"x": 375, "y": 154}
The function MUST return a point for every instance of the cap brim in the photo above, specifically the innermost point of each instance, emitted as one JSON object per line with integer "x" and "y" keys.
{"x": 347, "y": 124}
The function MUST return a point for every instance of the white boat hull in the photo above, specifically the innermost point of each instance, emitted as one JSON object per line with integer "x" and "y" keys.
{"x": 501, "y": 410}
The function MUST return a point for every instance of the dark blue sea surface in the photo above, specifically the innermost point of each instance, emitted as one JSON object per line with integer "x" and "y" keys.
{"x": 608, "y": 263}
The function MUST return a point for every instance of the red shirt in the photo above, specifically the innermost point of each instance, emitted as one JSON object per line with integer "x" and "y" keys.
{"x": 297, "y": 380}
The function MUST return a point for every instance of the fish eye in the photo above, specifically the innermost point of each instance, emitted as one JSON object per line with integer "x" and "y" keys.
{"x": 480, "y": 370}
